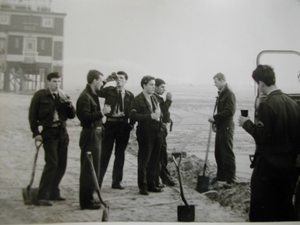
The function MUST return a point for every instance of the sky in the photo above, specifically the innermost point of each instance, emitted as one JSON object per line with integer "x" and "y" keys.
{"x": 180, "y": 41}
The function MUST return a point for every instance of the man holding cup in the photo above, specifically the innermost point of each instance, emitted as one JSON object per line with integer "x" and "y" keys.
{"x": 277, "y": 137}
{"x": 117, "y": 126}
{"x": 223, "y": 120}
{"x": 145, "y": 110}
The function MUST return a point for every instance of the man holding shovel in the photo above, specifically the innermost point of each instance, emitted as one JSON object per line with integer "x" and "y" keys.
{"x": 50, "y": 108}
{"x": 90, "y": 115}
{"x": 223, "y": 121}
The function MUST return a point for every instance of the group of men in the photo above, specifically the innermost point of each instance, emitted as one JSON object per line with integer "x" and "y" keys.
{"x": 51, "y": 107}
{"x": 276, "y": 133}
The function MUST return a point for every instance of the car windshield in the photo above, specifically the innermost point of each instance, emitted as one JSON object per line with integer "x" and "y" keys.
{"x": 287, "y": 69}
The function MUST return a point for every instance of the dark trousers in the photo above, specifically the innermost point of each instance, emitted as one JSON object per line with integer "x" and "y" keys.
{"x": 148, "y": 158}
{"x": 272, "y": 188}
{"x": 115, "y": 133}
{"x": 224, "y": 155}
{"x": 55, "y": 142}
{"x": 163, "y": 173}
{"x": 90, "y": 141}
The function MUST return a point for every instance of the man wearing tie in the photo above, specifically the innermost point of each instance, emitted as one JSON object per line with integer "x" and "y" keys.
{"x": 50, "y": 108}
{"x": 145, "y": 110}
{"x": 117, "y": 126}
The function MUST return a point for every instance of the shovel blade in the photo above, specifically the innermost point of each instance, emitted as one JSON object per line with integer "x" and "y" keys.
{"x": 186, "y": 213}
{"x": 30, "y": 195}
{"x": 202, "y": 184}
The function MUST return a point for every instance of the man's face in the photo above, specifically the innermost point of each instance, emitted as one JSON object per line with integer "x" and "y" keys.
{"x": 121, "y": 81}
{"x": 54, "y": 84}
{"x": 98, "y": 83}
{"x": 261, "y": 88}
{"x": 150, "y": 87}
{"x": 219, "y": 83}
{"x": 160, "y": 89}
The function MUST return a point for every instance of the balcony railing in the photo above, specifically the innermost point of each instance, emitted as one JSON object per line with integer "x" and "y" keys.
{"x": 30, "y": 56}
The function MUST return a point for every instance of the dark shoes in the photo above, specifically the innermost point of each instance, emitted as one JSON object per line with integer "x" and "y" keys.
{"x": 91, "y": 206}
{"x": 57, "y": 198}
{"x": 117, "y": 186}
{"x": 169, "y": 182}
{"x": 155, "y": 189}
{"x": 144, "y": 192}
{"x": 43, "y": 202}
{"x": 161, "y": 185}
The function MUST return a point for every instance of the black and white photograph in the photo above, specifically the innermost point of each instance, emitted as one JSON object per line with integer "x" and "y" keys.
{"x": 152, "y": 111}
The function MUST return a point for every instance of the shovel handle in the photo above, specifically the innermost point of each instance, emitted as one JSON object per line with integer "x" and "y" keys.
{"x": 37, "y": 147}
{"x": 90, "y": 158}
{"x": 179, "y": 175}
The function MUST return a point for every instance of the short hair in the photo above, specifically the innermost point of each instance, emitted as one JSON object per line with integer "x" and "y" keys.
{"x": 145, "y": 80}
{"x": 53, "y": 75}
{"x": 159, "y": 82}
{"x": 123, "y": 73}
{"x": 265, "y": 74}
{"x": 220, "y": 76}
{"x": 93, "y": 75}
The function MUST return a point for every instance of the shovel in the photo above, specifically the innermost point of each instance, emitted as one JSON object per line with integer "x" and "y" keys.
{"x": 203, "y": 181}
{"x": 186, "y": 212}
{"x": 30, "y": 194}
{"x": 105, "y": 215}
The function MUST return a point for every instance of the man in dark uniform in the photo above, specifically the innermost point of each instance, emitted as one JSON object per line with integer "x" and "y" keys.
{"x": 50, "y": 108}
{"x": 276, "y": 135}
{"x": 117, "y": 127}
{"x": 223, "y": 120}
{"x": 164, "y": 174}
{"x": 146, "y": 111}
{"x": 90, "y": 115}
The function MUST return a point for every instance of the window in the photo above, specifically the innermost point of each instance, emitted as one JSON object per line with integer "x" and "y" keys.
{"x": 17, "y": 43}
{"x": 47, "y": 22}
{"x": 4, "y": 19}
{"x": 43, "y": 44}
{"x": 42, "y": 73}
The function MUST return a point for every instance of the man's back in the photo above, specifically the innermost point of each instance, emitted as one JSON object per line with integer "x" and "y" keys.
{"x": 284, "y": 117}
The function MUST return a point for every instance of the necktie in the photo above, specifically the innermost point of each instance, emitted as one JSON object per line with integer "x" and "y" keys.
{"x": 56, "y": 100}
{"x": 153, "y": 103}
{"x": 120, "y": 103}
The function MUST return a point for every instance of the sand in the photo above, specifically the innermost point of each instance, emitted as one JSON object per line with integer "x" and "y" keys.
{"x": 190, "y": 133}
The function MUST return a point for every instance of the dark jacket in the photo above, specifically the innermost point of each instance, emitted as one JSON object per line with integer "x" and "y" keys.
{"x": 225, "y": 108}
{"x": 164, "y": 106}
{"x": 140, "y": 111}
{"x": 278, "y": 126}
{"x": 111, "y": 97}
{"x": 42, "y": 108}
{"x": 88, "y": 108}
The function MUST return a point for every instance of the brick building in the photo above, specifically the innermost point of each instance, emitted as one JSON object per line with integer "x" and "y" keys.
{"x": 31, "y": 43}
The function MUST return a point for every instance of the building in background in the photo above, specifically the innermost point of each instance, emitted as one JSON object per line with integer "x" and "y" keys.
{"x": 31, "y": 44}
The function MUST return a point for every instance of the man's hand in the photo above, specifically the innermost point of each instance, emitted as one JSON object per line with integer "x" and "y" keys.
{"x": 242, "y": 120}
{"x": 155, "y": 116}
{"x": 38, "y": 138}
{"x": 211, "y": 119}
{"x": 106, "y": 109}
{"x": 169, "y": 96}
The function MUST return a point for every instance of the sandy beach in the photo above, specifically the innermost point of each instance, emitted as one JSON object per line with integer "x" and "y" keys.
{"x": 190, "y": 111}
